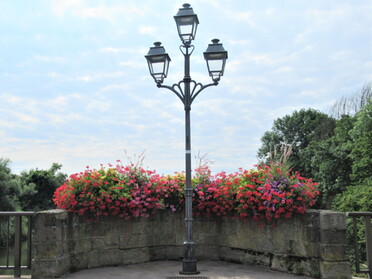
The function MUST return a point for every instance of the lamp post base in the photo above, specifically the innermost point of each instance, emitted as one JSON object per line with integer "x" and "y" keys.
{"x": 189, "y": 267}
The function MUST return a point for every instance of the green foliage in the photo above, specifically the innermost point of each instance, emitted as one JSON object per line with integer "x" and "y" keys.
{"x": 334, "y": 152}
{"x": 355, "y": 199}
{"x": 38, "y": 187}
{"x": 9, "y": 187}
{"x": 9, "y": 190}
{"x": 330, "y": 161}
{"x": 361, "y": 153}
{"x": 31, "y": 190}
{"x": 297, "y": 130}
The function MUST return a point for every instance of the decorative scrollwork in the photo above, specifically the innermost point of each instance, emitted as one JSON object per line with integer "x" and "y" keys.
{"x": 187, "y": 47}
{"x": 177, "y": 89}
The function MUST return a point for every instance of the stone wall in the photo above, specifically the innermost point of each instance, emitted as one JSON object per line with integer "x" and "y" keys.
{"x": 313, "y": 244}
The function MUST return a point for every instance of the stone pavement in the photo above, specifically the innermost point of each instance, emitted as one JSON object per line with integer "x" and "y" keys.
{"x": 170, "y": 270}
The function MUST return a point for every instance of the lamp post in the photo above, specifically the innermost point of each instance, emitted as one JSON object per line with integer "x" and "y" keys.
{"x": 187, "y": 90}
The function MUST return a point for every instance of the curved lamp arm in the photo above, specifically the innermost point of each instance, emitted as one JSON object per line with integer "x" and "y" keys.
{"x": 201, "y": 88}
{"x": 177, "y": 89}
{"x": 172, "y": 88}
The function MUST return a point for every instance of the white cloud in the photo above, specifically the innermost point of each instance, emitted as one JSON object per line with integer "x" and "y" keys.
{"x": 136, "y": 50}
{"x": 342, "y": 55}
{"x": 243, "y": 16}
{"x": 241, "y": 42}
{"x": 85, "y": 78}
{"x": 132, "y": 64}
{"x": 25, "y": 118}
{"x": 112, "y": 87}
{"x": 147, "y": 30}
{"x": 60, "y": 102}
{"x": 7, "y": 124}
{"x": 112, "y": 49}
{"x": 283, "y": 70}
{"x": 61, "y": 7}
{"x": 85, "y": 9}
{"x": 309, "y": 93}
{"x": 49, "y": 59}
{"x": 98, "y": 105}
{"x": 98, "y": 76}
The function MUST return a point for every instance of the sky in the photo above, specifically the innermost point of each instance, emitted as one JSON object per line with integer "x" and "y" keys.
{"x": 75, "y": 87}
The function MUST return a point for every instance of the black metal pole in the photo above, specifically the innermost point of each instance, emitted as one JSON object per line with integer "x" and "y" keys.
{"x": 189, "y": 261}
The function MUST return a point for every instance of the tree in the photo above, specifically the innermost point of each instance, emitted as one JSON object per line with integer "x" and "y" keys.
{"x": 297, "y": 130}
{"x": 330, "y": 161}
{"x": 361, "y": 153}
{"x": 38, "y": 187}
{"x": 350, "y": 105}
{"x": 9, "y": 187}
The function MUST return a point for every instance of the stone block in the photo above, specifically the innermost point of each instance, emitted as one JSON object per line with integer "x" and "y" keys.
{"x": 134, "y": 240}
{"x": 50, "y": 234}
{"x": 312, "y": 234}
{"x": 332, "y": 220}
{"x": 311, "y": 218}
{"x": 112, "y": 257}
{"x": 174, "y": 252}
{"x": 205, "y": 238}
{"x": 207, "y": 252}
{"x": 98, "y": 243}
{"x": 331, "y": 236}
{"x": 82, "y": 245}
{"x": 296, "y": 265}
{"x": 50, "y": 250}
{"x": 50, "y": 218}
{"x": 166, "y": 238}
{"x": 244, "y": 256}
{"x": 334, "y": 252}
{"x": 93, "y": 258}
{"x": 131, "y": 256}
{"x": 50, "y": 268}
{"x": 158, "y": 253}
{"x": 79, "y": 261}
{"x": 335, "y": 270}
{"x": 112, "y": 239}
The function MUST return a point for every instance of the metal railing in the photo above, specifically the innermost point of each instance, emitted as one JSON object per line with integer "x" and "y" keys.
{"x": 13, "y": 222}
{"x": 368, "y": 232}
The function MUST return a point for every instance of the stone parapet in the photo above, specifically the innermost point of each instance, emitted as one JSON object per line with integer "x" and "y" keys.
{"x": 313, "y": 244}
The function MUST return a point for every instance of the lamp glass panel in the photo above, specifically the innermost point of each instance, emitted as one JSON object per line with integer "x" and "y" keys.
{"x": 215, "y": 65}
{"x": 185, "y": 30}
{"x": 158, "y": 67}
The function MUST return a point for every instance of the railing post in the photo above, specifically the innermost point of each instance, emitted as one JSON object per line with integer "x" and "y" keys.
{"x": 368, "y": 227}
{"x": 356, "y": 246}
{"x": 7, "y": 241}
{"x": 29, "y": 242}
{"x": 368, "y": 233}
{"x": 17, "y": 246}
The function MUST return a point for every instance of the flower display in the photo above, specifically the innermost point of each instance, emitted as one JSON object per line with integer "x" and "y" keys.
{"x": 267, "y": 193}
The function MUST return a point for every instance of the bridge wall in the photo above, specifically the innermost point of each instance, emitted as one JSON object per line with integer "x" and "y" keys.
{"x": 313, "y": 244}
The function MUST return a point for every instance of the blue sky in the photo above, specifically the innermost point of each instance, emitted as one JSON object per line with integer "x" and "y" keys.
{"x": 75, "y": 87}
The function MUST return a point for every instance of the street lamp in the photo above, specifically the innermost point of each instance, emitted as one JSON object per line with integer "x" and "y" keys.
{"x": 187, "y": 90}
